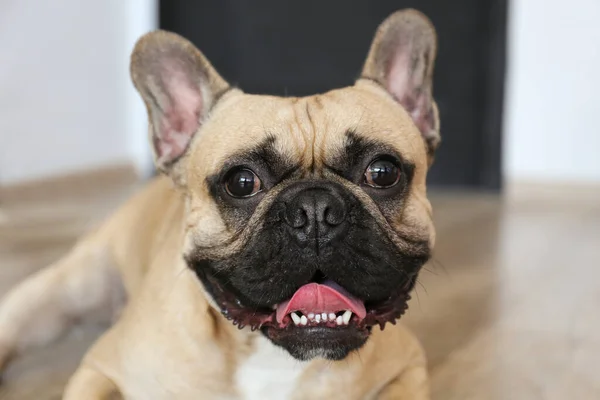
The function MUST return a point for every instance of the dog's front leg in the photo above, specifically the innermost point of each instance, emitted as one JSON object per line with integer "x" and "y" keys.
{"x": 43, "y": 306}
{"x": 411, "y": 380}
{"x": 412, "y": 384}
{"x": 89, "y": 384}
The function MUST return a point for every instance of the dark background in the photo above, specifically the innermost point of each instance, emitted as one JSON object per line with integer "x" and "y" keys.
{"x": 305, "y": 47}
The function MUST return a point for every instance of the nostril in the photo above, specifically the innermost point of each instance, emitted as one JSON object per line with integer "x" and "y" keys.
{"x": 334, "y": 215}
{"x": 315, "y": 213}
{"x": 297, "y": 218}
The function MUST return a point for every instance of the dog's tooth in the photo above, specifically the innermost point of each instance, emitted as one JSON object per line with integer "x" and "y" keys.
{"x": 331, "y": 316}
{"x": 295, "y": 318}
{"x": 311, "y": 316}
{"x": 339, "y": 320}
{"x": 346, "y": 317}
{"x": 318, "y": 317}
{"x": 324, "y": 316}
{"x": 303, "y": 320}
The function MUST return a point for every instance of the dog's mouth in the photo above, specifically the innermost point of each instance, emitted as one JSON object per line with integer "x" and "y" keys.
{"x": 320, "y": 303}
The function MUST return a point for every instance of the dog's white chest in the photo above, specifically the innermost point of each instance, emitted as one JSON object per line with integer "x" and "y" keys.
{"x": 269, "y": 373}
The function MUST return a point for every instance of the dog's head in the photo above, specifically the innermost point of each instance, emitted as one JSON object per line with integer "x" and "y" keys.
{"x": 307, "y": 218}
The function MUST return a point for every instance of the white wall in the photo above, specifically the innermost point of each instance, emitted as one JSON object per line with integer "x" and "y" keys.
{"x": 552, "y": 126}
{"x": 66, "y": 101}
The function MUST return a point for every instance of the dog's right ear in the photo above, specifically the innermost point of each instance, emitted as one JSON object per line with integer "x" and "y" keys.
{"x": 178, "y": 86}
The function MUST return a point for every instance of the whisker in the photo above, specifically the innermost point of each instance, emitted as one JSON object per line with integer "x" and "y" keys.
{"x": 424, "y": 268}
{"x": 418, "y": 300}
{"x": 437, "y": 263}
{"x": 422, "y": 286}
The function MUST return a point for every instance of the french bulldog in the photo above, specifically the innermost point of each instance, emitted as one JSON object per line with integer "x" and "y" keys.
{"x": 280, "y": 238}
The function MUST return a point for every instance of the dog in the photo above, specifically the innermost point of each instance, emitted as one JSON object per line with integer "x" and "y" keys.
{"x": 280, "y": 238}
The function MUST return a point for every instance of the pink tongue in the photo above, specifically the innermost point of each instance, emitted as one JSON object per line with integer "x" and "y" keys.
{"x": 327, "y": 297}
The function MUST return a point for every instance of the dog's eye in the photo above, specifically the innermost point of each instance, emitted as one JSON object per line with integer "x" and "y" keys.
{"x": 382, "y": 173}
{"x": 242, "y": 183}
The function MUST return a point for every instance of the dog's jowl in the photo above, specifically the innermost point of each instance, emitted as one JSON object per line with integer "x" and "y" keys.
{"x": 282, "y": 237}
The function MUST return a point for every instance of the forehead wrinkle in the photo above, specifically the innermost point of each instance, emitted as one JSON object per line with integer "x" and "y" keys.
{"x": 320, "y": 128}
{"x": 304, "y": 129}
{"x": 301, "y": 136}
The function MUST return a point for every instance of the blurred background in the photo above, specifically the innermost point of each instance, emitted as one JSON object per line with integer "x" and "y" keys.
{"x": 514, "y": 84}
{"x": 504, "y": 311}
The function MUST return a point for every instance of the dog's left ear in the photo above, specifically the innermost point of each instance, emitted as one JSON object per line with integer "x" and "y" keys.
{"x": 179, "y": 87}
{"x": 401, "y": 59}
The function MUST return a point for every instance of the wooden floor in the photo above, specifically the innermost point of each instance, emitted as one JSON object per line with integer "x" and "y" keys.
{"x": 509, "y": 308}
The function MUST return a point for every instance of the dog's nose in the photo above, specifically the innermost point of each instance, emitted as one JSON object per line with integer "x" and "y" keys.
{"x": 316, "y": 214}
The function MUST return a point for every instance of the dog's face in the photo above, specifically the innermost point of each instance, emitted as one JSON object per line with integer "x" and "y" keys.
{"x": 307, "y": 217}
